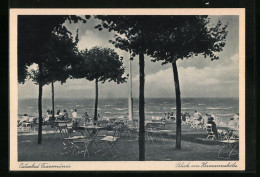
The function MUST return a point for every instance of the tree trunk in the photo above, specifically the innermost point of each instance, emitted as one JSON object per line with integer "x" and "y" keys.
{"x": 141, "y": 110}
{"x": 52, "y": 97}
{"x": 96, "y": 102}
{"x": 40, "y": 105}
{"x": 178, "y": 105}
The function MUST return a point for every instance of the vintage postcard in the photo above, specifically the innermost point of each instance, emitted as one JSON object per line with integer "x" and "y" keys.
{"x": 127, "y": 89}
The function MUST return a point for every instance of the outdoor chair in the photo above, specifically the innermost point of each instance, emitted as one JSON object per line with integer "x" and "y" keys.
{"x": 234, "y": 135}
{"x": 198, "y": 124}
{"x": 192, "y": 124}
{"x": 111, "y": 141}
{"x": 125, "y": 130}
{"x": 211, "y": 135}
{"x": 105, "y": 124}
{"x": 82, "y": 146}
{"x": 61, "y": 127}
{"x": 184, "y": 122}
{"x": 222, "y": 135}
{"x": 230, "y": 145}
{"x": 228, "y": 148}
{"x": 155, "y": 130}
{"x": 69, "y": 146}
{"x": 112, "y": 120}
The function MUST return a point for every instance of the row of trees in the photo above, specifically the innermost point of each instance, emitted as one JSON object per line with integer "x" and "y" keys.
{"x": 52, "y": 47}
{"x": 164, "y": 38}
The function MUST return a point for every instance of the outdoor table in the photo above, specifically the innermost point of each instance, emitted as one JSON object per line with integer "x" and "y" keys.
{"x": 228, "y": 147}
{"x": 90, "y": 129}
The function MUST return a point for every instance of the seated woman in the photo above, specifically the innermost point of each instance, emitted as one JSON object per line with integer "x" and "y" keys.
{"x": 172, "y": 116}
{"x": 65, "y": 115}
{"x": 214, "y": 126}
{"x": 86, "y": 116}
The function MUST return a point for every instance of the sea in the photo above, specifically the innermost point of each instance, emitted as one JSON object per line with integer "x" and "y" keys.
{"x": 222, "y": 108}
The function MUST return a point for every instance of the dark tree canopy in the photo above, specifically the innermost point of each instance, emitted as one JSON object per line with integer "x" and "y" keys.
{"x": 130, "y": 30}
{"x": 165, "y": 37}
{"x": 42, "y": 38}
{"x": 184, "y": 37}
{"x": 102, "y": 64}
{"x": 61, "y": 55}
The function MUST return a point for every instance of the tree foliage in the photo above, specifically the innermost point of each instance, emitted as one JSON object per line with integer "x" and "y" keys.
{"x": 167, "y": 39}
{"x": 102, "y": 64}
{"x": 43, "y": 39}
{"x": 131, "y": 36}
{"x": 185, "y": 37}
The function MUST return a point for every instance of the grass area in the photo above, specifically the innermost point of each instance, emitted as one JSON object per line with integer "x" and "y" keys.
{"x": 193, "y": 149}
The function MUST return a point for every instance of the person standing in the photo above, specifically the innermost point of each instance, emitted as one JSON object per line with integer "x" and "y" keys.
{"x": 74, "y": 114}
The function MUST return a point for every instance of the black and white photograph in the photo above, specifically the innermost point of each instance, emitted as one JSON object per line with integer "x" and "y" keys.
{"x": 127, "y": 89}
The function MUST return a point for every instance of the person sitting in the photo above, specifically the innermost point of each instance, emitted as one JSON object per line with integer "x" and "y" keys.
{"x": 168, "y": 117}
{"x": 65, "y": 114}
{"x": 25, "y": 118}
{"x": 214, "y": 126}
{"x": 74, "y": 114}
{"x": 48, "y": 112}
{"x": 232, "y": 125}
{"x": 236, "y": 118}
{"x": 58, "y": 112}
{"x": 126, "y": 118}
{"x": 197, "y": 115}
{"x": 86, "y": 116}
{"x": 172, "y": 116}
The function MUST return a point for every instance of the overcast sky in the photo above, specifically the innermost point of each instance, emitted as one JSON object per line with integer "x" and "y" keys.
{"x": 199, "y": 77}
